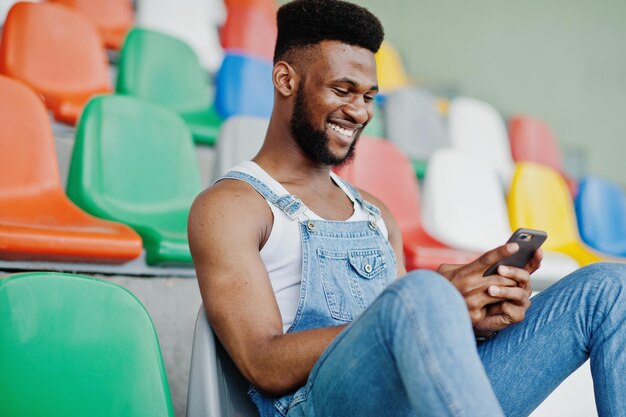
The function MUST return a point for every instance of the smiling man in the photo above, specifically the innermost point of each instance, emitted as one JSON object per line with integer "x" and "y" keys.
{"x": 298, "y": 270}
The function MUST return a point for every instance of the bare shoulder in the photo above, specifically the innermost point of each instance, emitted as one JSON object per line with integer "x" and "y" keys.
{"x": 385, "y": 212}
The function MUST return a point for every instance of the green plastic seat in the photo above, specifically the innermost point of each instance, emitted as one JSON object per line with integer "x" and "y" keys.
{"x": 75, "y": 346}
{"x": 166, "y": 70}
{"x": 134, "y": 162}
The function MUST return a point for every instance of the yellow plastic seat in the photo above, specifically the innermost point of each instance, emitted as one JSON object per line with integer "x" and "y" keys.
{"x": 391, "y": 72}
{"x": 539, "y": 198}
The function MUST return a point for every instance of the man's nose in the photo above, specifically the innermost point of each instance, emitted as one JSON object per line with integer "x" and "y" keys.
{"x": 359, "y": 112}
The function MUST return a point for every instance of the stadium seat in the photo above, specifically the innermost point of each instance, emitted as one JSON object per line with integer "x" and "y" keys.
{"x": 533, "y": 141}
{"x": 37, "y": 220}
{"x": 165, "y": 70}
{"x": 381, "y": 169}
{"x": 216, "y": 387}
{"x": 77, "y": 346}
{"x": 601, "y": 214}
{"x": 134, "y": 162}
{"x": 195, "y": 22}
{"x": 477, "y": 128}
{"x": 464, "y": 207}
{"x": 58, "y": 52}
{"x": 250, "y": 29}
{"x": 414, "y": 125}
{"x": 113, "y": 18}
{"x": 539, "y": 199}
{"x": 244, "y": 87}
{"x": 240, "y": 139}
{"x": 390, "y": 69}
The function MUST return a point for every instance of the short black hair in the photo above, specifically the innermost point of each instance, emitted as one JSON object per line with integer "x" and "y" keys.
{"x": 302, "y": 23}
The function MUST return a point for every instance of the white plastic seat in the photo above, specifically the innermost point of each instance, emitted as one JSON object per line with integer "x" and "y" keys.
{"x": 239, "y": 140}
{"x": 216, "y": 387}
{"x": 194, "y": 21}
{"x": 477, "y": 128}
{"x": 413, "y": 123}
{"x": 464, "y": 207}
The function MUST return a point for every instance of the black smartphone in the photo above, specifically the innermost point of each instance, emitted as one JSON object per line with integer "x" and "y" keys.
{"x": 529, "y": 241}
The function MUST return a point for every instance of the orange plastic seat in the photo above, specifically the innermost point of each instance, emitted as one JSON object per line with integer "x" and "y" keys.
{"x": 250, "y": 29}
{"x": 381, "y": 169}
{"x": 58, "y": 52}
{"x": 539, "y": 199}
{"x": 37, "y": 220}
{"x": 113, "y": 18}
{"x": 532, "y": 140}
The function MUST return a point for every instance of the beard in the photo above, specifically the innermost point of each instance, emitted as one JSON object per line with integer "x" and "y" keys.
{"x": 313, "y": 142}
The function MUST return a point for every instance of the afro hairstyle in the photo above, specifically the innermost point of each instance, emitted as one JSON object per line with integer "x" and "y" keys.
{"x": 303, "y": 23}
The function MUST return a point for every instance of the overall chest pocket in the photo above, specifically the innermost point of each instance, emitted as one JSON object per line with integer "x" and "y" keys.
{"x": 351, "y": 280}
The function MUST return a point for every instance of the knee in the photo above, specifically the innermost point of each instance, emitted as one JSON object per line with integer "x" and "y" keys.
{"x": 601, "y": 274}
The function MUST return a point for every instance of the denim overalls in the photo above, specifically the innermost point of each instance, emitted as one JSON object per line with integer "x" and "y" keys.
{"x": 345, "y": 266}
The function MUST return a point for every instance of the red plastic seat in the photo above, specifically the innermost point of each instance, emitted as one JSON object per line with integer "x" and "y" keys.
{"x": 381, "y": 169}
{"x": 37, "y": 220}
{"x": 58, "y": 52}
{"x": 112, "y": 17}
{"x": 532, "y": 140}
{"x": 250, "y": 29}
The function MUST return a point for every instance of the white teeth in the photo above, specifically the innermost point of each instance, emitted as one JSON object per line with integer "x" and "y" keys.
{"x": 345, "y": 132}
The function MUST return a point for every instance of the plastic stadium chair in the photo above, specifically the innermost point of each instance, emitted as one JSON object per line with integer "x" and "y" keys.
{"x": 464, "y": 207}
{"x": 533, "y": 141}
{"x": 391, "y": 73}
{"x": 195, "y": 22}
{"x": 77, "y": 346}
{"x": 164, "y": 69}
{"x": 240, "y": 139}
{"x": 216, "y": 387}
{"x": 601, "y": 213}
{"x": 477, "y": 127}
{"x": 134, "y": 162}
{"x": 37, "y": 220}
{"x": 539, "y": 199}
{"x": 58, "y": 52}
{"x": 381, "y": 169}
{"x": 113, "y": 18}
{"x": 244, "y": 87}
{"x": 414, "y": 125}
{"x": 250, "y": 29}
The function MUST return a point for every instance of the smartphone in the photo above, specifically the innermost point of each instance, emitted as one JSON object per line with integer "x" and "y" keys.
{"x": 529, "y": 241}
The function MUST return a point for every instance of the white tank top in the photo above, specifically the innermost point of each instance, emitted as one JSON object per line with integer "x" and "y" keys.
{"x": 282, "y": 253}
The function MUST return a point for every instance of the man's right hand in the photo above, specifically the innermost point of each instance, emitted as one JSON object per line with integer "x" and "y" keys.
{"x": 496, "y": 301}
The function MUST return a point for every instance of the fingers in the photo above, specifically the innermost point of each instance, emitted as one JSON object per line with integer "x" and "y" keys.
{"x": 515, "y": 295}
{"x": 535, "y": 262}
{"x": 489, "y": 258}
{"x": 520, "y": 275}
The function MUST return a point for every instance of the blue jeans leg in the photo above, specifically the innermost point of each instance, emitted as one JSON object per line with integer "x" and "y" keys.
{"x": 412, "y": 352}
{"x": 582, "y": 316}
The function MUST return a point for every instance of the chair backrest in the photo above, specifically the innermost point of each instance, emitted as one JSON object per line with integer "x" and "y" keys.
{"x": 250, "y": 29}
{"x": 54, "y": 49}
{"x": 216, "y": 387}
{"x": 193, "y": 21}
{"x": 477, "y": 128}
{"x": 532, "y": 140}
{"x": 463, "y": 203}
{"x": 132, "y": 157}
{"x": 601, "y": 212}
{"x": 244, "y": 87}
{"x": 390, "y": 69}
{"x": 539, "y": 199}
{"x": 240, "y": 139}
{"x": 381, "y": 169}
{"x": 27, "y": 155}
{"x": 113, "y": 18}
{"x": 413, "y": 122}
{"x": 164, "y": 69}
{"x": 77, "y": 346}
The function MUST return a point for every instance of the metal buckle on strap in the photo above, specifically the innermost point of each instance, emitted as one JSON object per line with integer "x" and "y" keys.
{"x": 294, "y": 208}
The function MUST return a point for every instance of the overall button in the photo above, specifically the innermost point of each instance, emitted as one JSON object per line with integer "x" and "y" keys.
{"x": 373, "y": 225}
{"x": 368, "y": 268}
{"x": 311, "y": 226}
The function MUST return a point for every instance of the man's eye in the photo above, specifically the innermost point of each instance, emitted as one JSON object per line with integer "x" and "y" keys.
{"x": 369, "y": 99}
{"x": 341, "y": 91}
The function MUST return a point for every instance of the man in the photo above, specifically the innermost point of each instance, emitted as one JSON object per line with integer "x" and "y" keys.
{"x": 302, "y": 291}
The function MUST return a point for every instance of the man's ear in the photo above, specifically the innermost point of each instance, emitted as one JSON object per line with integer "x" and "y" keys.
{"x": 285, "y": 78}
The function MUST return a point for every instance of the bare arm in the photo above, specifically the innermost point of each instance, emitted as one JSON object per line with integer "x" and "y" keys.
{"x": 228, "y": 225}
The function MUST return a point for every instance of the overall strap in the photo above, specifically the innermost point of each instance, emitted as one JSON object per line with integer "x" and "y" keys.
{"x": 368, "y": 207}
{"x": 288, "y": 204}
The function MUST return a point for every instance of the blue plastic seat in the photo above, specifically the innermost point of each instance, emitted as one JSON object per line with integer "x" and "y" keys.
{"x": 601, "y": 214}
{"x": 244, "y": 87}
